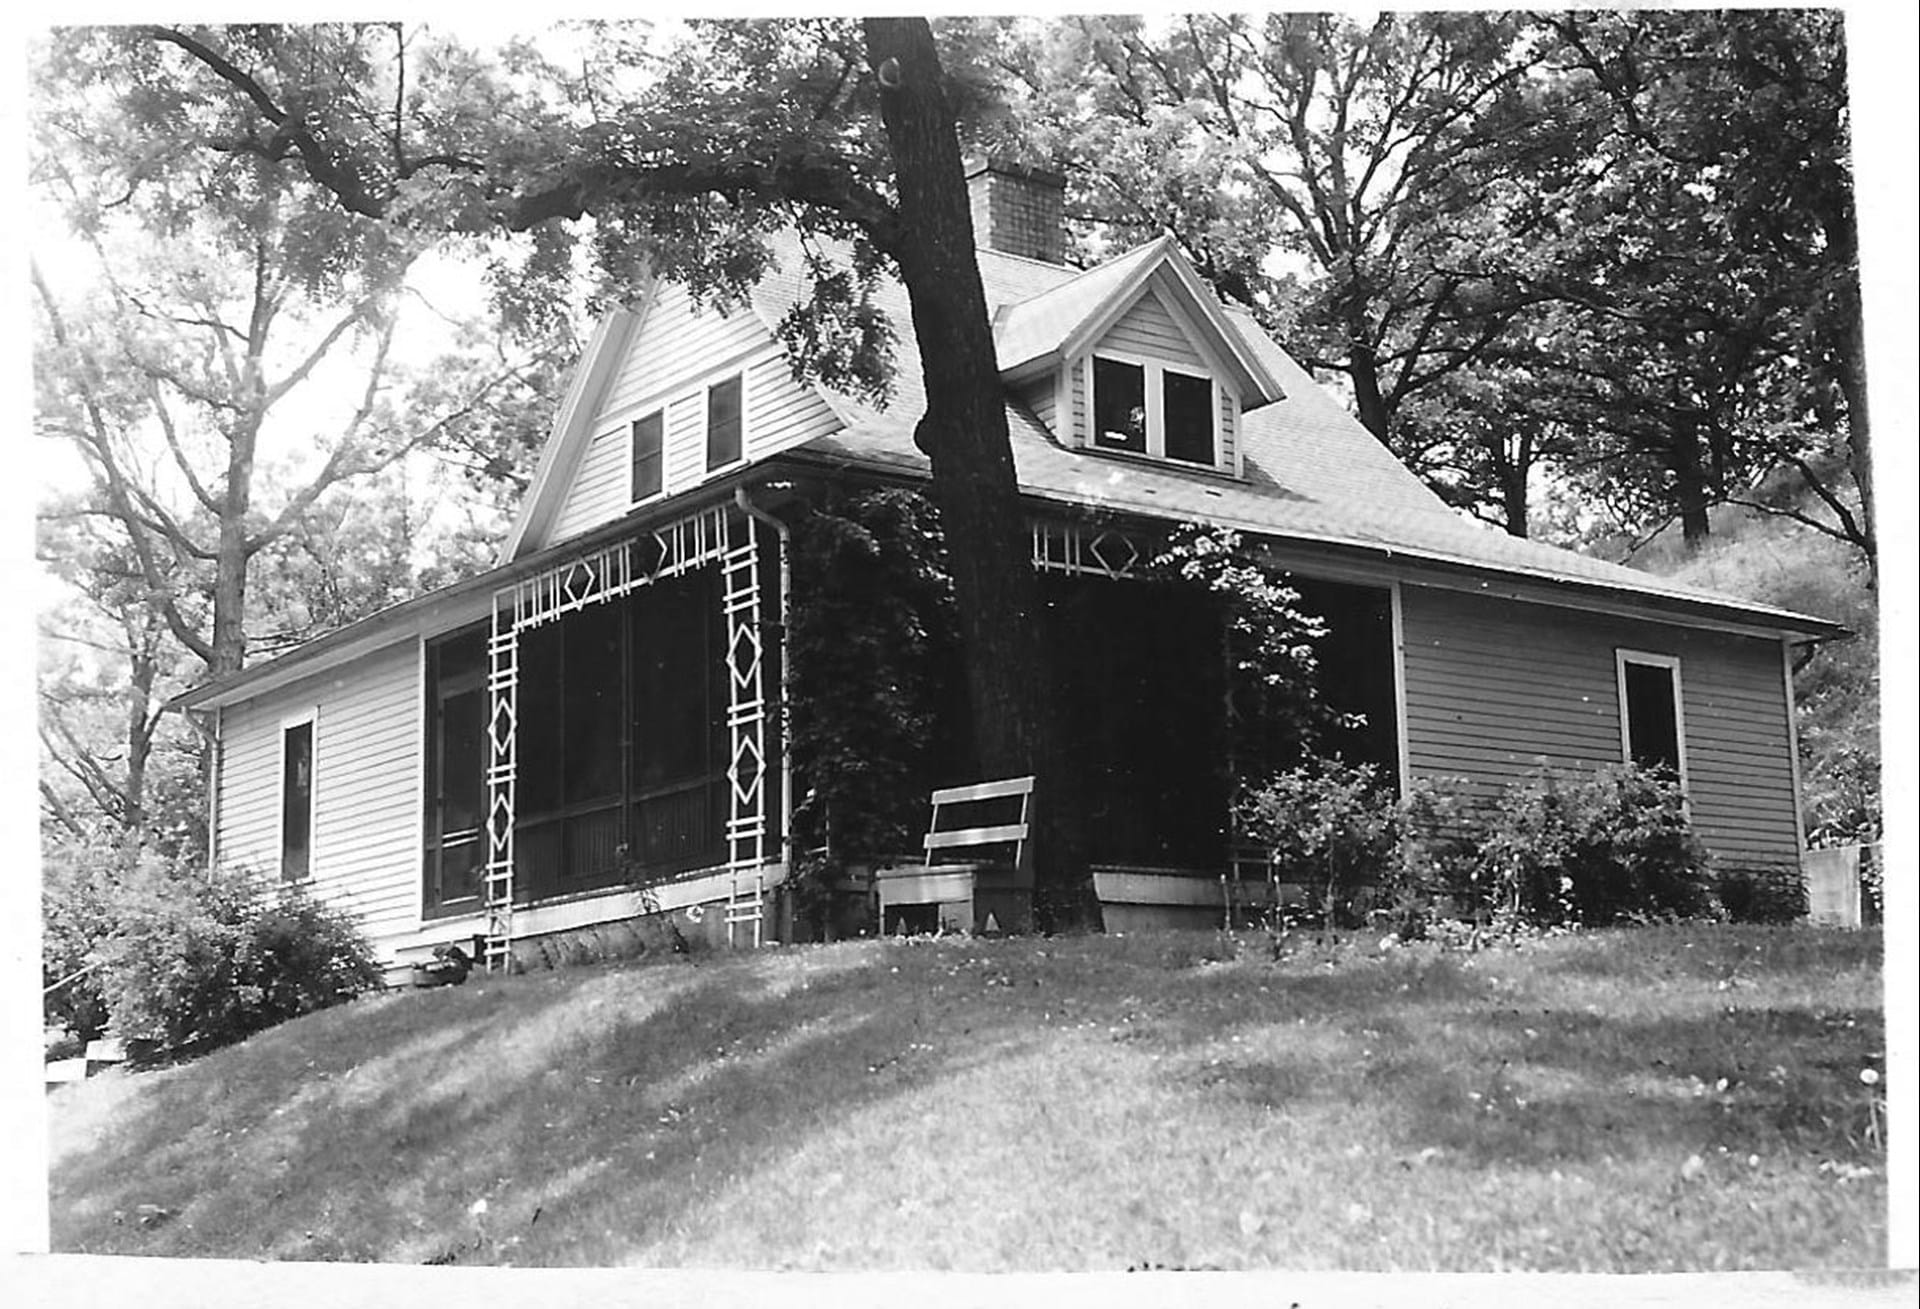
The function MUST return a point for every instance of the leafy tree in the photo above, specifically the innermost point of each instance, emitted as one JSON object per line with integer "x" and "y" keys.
{"x": 687, "y": 164}
{"x": 106, "y": 668}
{"x": 1351, "y": 181}
{"x": 1722, "y": 242}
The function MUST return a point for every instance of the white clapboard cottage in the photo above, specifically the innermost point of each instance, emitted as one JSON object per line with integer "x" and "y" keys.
{"x": 591, "y": 730}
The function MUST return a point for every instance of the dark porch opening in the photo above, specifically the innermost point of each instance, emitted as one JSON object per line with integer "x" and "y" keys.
{"x": 1140, "y": 672}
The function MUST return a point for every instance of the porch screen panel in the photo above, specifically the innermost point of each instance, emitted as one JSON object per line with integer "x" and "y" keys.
{"x": 542, "y": 754}
{"x": 591, "y": 696}
{"x": 679, "y": 769}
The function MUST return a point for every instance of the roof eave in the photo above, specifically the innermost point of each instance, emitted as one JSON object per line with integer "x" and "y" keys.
{"x": 380, "y": 629}
{"x": 1778, "y": 622}
{"x": 575, "y": 414}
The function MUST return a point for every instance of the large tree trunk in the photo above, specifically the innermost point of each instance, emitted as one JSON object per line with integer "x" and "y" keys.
{"x": 1363, "y": 366}
{"x": 1689, "y": 481}
{"x": 140, "y": 725}
{"x": 964, "y": 434}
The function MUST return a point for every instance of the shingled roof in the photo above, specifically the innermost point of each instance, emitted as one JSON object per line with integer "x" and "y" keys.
{"x": 1314, "y": 475}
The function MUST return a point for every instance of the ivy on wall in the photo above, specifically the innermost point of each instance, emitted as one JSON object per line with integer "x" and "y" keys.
{"x": 874, "y": 651}
{"x": 876, "y": 689}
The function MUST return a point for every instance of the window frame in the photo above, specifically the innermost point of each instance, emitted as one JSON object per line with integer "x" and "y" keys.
{"x": 1154, "y": 374}
{"x": 738, "y": 379}
{"x": 659, "y": 458}
{"x": 1622, "y": 657}
{"x": 436, "y": 690}
{"x": 308, "y": 718}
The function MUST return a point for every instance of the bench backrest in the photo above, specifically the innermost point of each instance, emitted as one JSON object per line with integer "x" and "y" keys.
{"x": 992, "y": 834}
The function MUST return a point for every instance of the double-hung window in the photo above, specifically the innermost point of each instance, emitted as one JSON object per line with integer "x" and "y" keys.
{"x": 724, "y": 419}
{"x": 1150, "y": 408}
{"x": 648, "y": 434}
{"x": 296, "y": 800}
{"x": 1652, "y": 721}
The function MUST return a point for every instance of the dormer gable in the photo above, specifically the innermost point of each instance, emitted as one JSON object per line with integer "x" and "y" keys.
{"x": 1136, "y": 357}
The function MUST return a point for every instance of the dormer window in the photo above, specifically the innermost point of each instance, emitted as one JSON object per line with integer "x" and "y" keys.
{"x": 1149, "y": 408}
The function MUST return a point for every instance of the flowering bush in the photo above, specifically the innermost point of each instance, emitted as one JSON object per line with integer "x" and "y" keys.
{"x": 1611, "y": 846}
{"x": 1552, "y": 850}
{"x": 1329, "y": 825}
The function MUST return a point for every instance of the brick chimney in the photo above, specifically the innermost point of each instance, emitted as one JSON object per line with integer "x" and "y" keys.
{"x": 1017, "y": 209}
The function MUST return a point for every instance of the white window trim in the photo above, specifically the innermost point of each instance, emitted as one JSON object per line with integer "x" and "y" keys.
{"x": 1154, "y": 371}
{"x": 706, "y": 409}
{"x": 661, "y": 410}
{"x": 422, "y": 720}
{"x": 1647, "y": 659}
{"x": 309, "y": 717}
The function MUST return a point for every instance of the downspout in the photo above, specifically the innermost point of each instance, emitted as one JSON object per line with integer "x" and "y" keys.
{"x": 784, "y": 537}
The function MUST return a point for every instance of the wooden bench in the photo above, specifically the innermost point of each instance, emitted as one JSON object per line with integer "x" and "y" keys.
{"x": 964, "y": 900}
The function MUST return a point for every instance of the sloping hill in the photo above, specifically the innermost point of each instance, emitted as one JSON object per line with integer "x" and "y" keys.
{"x": 1667, "y": 1098}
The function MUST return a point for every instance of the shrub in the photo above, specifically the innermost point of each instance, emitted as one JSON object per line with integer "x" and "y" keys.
{"x": 76, "y": 889}
{"x": 1611, "y": 846}
{"x": 1438, "y": 870}
{"x": 1762, "y": 895}
{"x": 181, "y": 962}
{"x": 299, "y": 955}
{"x": 1329, "y": 825}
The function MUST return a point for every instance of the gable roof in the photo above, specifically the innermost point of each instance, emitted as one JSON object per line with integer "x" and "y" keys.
{"x": 1047, "y": 329}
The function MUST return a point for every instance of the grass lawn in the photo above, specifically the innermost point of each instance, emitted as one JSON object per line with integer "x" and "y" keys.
{"x": 1686, "y": 1098}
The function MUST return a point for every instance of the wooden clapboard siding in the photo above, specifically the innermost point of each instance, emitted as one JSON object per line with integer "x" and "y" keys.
{"x": 676, "y": 345}
{"x": 676, "y": 355}
{"x": 781, "y": 413}
{"x": 1148, "y": 328}
{"x": 366, "y": 788}
{"x": 685, "y": 456}
{"x": 1496, "y": 687}
{"x": 602, "y": 484}
{"x": 1040, "y": 396}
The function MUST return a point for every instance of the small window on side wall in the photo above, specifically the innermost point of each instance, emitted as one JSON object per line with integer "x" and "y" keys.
{"x": 648, "y": 433}
{"x": 723, "y": 423}
{"x": 296, "y": 801}
{"x": 1652, "y": 721}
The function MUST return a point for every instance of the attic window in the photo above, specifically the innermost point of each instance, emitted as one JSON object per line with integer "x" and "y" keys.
{"x": 647, "y": 434}
{"x": 723, "y": 423}
{"x": 1151, "y": 409}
